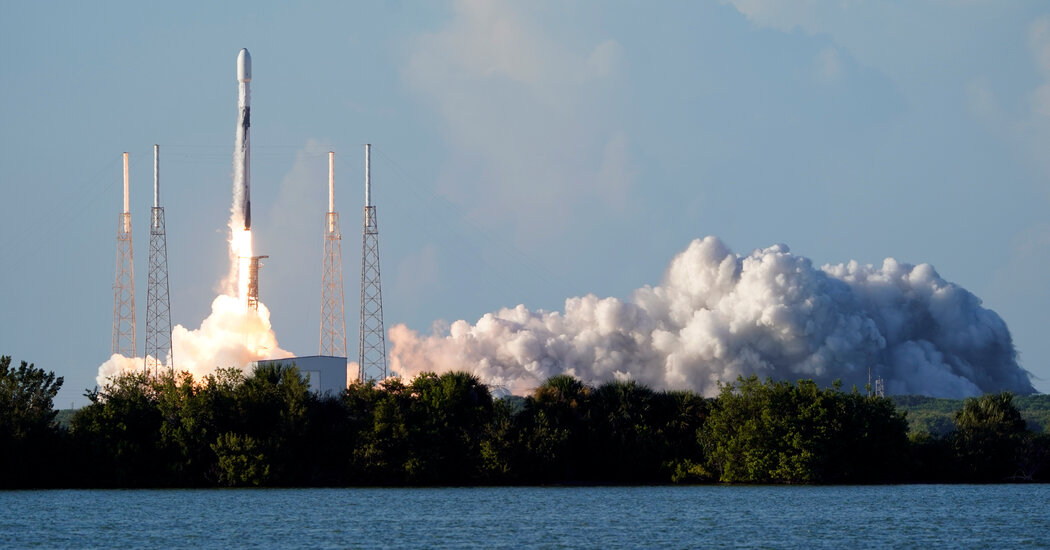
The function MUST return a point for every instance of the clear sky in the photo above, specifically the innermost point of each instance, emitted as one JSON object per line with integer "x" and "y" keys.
{"x": 523, "y": 152}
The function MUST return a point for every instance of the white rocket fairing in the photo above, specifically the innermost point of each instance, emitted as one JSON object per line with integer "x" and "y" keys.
{"x": 242, "y": 173}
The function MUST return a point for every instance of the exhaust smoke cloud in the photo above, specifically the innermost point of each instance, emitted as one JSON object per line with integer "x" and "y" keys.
{"x": 718, "y": 315}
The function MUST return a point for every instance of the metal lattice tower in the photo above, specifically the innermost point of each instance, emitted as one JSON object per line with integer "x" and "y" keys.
{"x": 124, "y": 284}
{"x": 371, "y": 356}
{"x": 253, "y": 282}
{"x": 158, "y": 304}
{"x": 333, "y": 322}
{"x": 879, "y": 388}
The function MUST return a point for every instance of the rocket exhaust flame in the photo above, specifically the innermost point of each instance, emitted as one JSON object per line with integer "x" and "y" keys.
{"x": 233, "y": 335}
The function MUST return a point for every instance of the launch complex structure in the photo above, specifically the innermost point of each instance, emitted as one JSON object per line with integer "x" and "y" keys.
{"x": 124, "y": 332}
{"x": 372, "y": 363}
{"x": 158, "y": 304}
{"x": 333, "y": 321}
{"x": 371, "y": 358}
{"x": 157, "y": 352}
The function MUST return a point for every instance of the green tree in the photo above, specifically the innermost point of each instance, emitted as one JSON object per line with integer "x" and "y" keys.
{"x": 118, "y": 434}
{"x": 626, "y": 443}
{"x": 499, "y": 443}
{"x": 428, "y": 431}
{"x": 28, "y": 436}
{"x": 681, "y": 416}
{"x": 1032, "y": 461}
{"x": 194, "y": 413}
{"x": 380, "y": 412}
{"x": 749, "y": 435}
{"x": 871, "y": 444}
{"x": 26, "y": 397}
{"x": 271, "y": 409}
{"x": 241, "y": 461}
{"x": 777, "y": 432}
{"x": 330, "y": 438}
{"x": 988, "y": 436}
{"x": 552, "y": 432}
{"x": 448, "y": 416}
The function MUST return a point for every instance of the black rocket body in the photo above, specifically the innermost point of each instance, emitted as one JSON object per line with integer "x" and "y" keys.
{"x": 246, "y": 150}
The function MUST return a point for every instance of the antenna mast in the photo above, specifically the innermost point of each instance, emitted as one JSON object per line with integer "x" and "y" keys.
{"x": 371, "y": 357}
{"x": 158, "y": 305}
{"x": 333, "y": 321}
{"x": 124, "y": 283}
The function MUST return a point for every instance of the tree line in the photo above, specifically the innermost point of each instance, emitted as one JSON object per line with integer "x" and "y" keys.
{"x": 266, "y": 428}
{"x": 937, "y": 415}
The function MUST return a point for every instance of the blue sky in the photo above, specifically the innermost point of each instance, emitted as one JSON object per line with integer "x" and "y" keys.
{"x": 523, "y": 152}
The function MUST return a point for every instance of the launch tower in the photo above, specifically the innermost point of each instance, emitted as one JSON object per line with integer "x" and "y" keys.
{"x": 253, "y": 282}
{"x": 333, "y": 322}
{"x": 371, "y": 357}
{"x": 158, "y": 304}
{"x": 124, "y": 284}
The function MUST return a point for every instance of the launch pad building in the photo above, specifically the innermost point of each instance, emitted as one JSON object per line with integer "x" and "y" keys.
{"x": 325, "y": 374}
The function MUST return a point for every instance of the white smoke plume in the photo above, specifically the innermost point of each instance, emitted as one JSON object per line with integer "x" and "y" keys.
{"x": 231, "y": 336}
{"x": 719, "y": 315}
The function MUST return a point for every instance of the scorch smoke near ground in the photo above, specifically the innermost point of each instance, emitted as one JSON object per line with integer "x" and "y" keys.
{"x": 718, "y": 315}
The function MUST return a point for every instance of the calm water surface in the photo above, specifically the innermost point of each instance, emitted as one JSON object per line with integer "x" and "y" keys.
{"x": 989, "y": 516}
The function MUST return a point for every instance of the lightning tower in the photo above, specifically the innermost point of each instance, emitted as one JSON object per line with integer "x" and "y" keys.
{"x": 372, "y": 338}
{"x": 124, "y": 284}
{"x": 333, "y": 323}
{"x": 158, "y": 304}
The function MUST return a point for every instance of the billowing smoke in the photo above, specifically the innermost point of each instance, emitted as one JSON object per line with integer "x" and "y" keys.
{"x": 718, "y": 315}
{"x": 231, "y": 336}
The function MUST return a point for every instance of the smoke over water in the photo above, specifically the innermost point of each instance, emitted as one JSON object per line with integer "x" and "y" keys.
{"x": 718, "y": 315}
{"x": 232, "y": 335}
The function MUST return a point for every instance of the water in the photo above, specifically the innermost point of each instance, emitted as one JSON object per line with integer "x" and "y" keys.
{"x": 1005, "y": 516}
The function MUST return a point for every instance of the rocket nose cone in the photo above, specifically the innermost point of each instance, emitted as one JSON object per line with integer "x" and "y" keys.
{"x": 244, "y": 66}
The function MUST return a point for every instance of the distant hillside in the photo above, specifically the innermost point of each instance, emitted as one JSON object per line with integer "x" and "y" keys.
{"x": 936, "y": 415}
{"x": 64, "y": 417}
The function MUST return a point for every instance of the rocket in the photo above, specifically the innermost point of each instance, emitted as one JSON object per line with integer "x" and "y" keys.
{"x": 242, "y": 173}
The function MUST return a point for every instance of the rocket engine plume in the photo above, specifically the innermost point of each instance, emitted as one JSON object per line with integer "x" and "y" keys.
{"x": 718, "y": 315}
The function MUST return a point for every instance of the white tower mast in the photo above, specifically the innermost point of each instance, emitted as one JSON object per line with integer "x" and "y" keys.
{"x": 333, "y": 321}
{"x": 124, "y": 283}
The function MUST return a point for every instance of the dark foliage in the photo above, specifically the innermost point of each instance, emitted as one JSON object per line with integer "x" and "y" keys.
{"x": 267, "y": 429}
{"x": 776, "y": 432}
{"x": 29, "y": 440}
